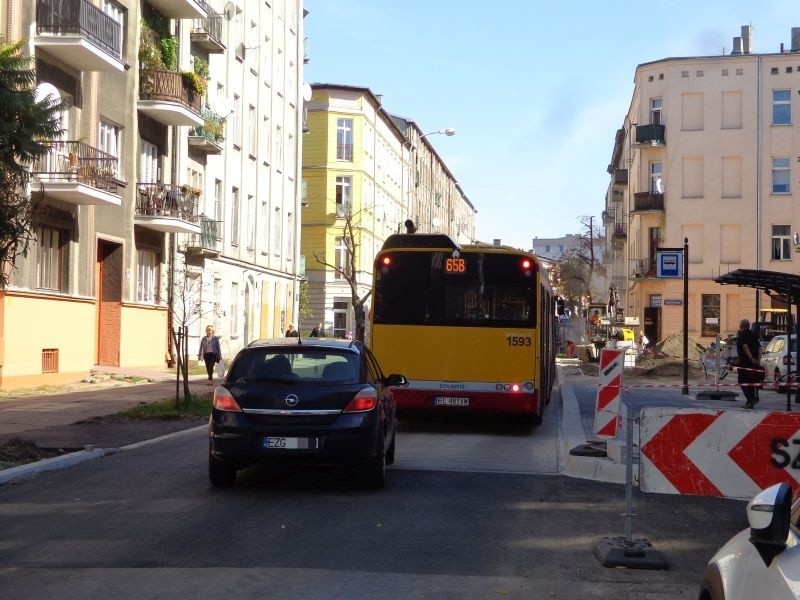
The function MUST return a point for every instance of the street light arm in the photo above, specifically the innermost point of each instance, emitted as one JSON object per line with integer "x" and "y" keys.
{"x": 448, "y": 132}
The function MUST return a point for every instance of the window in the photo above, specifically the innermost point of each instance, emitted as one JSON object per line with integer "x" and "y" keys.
{"x": 251, "y": 222}
{"x": 344, "y": 195}
{"x": 218, "y": 204}
{"x": 252, "y": 128}
{"x": 710, "y": 314}
{"x": 342, "y": 259}
{"x": 655, "y": 111}
{"x": 276, "y": 231}
{"x": 148, "y": 162}
{"x": 234, "y": 318}
{"x": 655, "y": 177}
{"x": 235, "y": 126}
{"x": 147, "y": 264}
{"x": 50, "y": 250}
{"x": 780, "y": 176}
{"x": 339, "y": 318}
{"x": 116, "y": 12}
{"x": 235, "y": 216}
{"x": 655, "y": 300}
{"x": 781, "y": 242}
{"x": 781, "y": 107}
{"x": 344, "y": 139}
{"x": 109, "y": 142}
{"x": 289, "y": 236}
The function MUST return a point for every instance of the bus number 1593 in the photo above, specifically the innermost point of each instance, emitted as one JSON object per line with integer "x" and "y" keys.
{"x": 519, "y": 341}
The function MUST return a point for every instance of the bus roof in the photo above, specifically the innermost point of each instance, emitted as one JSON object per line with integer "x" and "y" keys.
{"x": 419, "y": 240}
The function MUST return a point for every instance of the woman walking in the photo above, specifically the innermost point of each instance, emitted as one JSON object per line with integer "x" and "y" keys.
{"x": 210, "y": 352}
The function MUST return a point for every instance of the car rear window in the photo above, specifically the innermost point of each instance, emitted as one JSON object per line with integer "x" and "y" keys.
{"x": 301, "y": 365}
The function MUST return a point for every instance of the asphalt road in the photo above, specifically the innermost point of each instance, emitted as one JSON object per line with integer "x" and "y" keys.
{"x": 144, "y": 524}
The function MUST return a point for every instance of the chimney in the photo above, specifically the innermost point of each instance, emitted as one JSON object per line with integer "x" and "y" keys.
{"x": 737, "y": 45}
{"x": 747, "y": 39}
{"x": 795, "y": 39}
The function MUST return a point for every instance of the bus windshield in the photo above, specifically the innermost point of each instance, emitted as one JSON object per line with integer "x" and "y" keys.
{"x": 474, "y": 289}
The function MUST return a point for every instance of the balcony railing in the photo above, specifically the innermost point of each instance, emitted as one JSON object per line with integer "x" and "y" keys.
{"x": 648, "y": 201}
{"x": 650, "y": 134}
{"x": 73, "y": 161}
{"x": 208, "y": 240}
{"x": 619, "y": 231}
{"x": 164, "y": 200}
{"x": 210, "y": 131}
{"x": 643, "y": 267}
{"x": 169, "y": 86}
{"x": 608, "y": 216}
{"x": 60, "y": 17}
{"x": 621, "y": 177}
{"x": 208, "y": 32}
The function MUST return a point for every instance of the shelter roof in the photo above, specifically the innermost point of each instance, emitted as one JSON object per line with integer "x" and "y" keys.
{"x": 772, "y": 282}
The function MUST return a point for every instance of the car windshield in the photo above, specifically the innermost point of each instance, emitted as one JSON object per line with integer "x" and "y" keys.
{"x": 296, "y": 365}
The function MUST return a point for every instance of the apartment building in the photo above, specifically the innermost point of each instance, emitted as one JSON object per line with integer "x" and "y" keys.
{"x": 149, "y": 208}
{"x": 706, "y": 153}
{"x": 376, "y": 170}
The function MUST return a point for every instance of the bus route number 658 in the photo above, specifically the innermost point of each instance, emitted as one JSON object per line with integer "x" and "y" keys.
{"x": 518, "y": 341}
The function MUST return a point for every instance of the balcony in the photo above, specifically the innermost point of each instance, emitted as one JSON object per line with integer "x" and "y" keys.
{"x": 621, "y": 177}
{"x": 207, "y": 33}
{"x": 208, "y": 138}
{"x": 77, "y": 173}
{"x": 180, "y": 9}
{"x": 608, "y": 216}
{"x": 167, "y": 208}
{"x": 79, "y": 34}
{"x": 648, "y": 202}
{"x": 207, "y": 243}
{"x": 643, "y": 268}
{"x": 619, "y": 231}
{"x": 650, "y": 135}
{"x": 167, "y": 97}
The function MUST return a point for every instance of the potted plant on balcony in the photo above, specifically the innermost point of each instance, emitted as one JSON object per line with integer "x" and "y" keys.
{"x": 191, "y": 193}
{"x": 196, "y": 83}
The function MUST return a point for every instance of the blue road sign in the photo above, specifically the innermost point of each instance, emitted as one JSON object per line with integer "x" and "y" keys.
{"x": 669, "y": 263}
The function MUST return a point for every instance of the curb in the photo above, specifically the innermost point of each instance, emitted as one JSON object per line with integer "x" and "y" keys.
{"x": 572, "y": 434}
{"x": 75, "y": 458}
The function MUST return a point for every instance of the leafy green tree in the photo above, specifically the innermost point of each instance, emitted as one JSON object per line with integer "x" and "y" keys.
{"x": 26, "y": 128}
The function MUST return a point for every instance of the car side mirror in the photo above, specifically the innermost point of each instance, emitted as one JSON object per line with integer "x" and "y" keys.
{"x": 769, "y": 515}
{"x": 395, "y": 380}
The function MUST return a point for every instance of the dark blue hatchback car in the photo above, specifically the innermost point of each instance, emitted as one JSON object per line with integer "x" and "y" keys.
{"x": 297, "y": 400}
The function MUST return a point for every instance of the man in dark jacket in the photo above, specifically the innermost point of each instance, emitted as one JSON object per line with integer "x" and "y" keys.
{"x": 748, "y": 351}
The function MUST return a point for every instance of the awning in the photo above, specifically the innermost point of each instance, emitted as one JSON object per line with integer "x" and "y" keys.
{"x": 772, "y": 282}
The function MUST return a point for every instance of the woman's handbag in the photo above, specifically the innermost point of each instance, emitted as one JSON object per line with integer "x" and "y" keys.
{"x": 221, "y": 367}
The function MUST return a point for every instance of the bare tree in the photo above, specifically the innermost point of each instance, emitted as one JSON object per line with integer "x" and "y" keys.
{"x": 185, "y": 309}
{"x": 573, "y": 272}
{"x": 349, "y": 273}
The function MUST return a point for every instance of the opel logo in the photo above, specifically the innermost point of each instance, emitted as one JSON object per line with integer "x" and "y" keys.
{"x": 292, "y": 400}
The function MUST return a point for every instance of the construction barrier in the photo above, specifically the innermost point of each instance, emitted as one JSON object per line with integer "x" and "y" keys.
{"x": 606, "y": 414}
{"x": 733, "y": 454}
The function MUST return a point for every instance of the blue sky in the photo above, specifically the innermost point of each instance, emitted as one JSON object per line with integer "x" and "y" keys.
{"x": 535, "y": 90}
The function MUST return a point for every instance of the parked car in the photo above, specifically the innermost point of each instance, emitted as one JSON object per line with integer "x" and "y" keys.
{"x": 303, "y": 400}
{"x": 762, "y": 561}
{"x": 776, "y": 361}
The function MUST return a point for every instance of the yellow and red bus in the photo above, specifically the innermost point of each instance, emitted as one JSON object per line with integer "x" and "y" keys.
{"x": 472, "y": 327}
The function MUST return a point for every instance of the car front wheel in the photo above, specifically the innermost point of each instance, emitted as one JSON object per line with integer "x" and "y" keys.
{"x": 220, "y": 473}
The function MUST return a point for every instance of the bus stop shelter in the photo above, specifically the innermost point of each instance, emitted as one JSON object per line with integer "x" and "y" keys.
{"x": 773, "y": 283}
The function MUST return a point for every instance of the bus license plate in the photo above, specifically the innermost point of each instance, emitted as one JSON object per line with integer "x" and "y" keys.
{"x": 288, "y": 443}
{"x": 447, "y": 401}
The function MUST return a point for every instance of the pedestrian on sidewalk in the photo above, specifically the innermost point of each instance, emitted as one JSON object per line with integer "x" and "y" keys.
{"x": 210, "y": 352}
{"x": 748, "y": 350}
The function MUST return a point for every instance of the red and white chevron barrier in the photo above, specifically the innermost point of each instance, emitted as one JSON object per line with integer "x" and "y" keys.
{"x": 606, "y": 415}
{"x": 726, "y": 453}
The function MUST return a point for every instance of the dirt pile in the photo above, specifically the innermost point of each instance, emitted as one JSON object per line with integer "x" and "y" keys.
{"x": 19, "y": 452}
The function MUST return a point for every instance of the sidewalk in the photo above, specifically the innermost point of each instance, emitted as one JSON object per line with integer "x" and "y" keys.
{"x": 80, "y": 422}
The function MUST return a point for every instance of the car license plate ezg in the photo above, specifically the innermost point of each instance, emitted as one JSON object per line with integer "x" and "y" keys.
{"x": 288, "y": 443}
